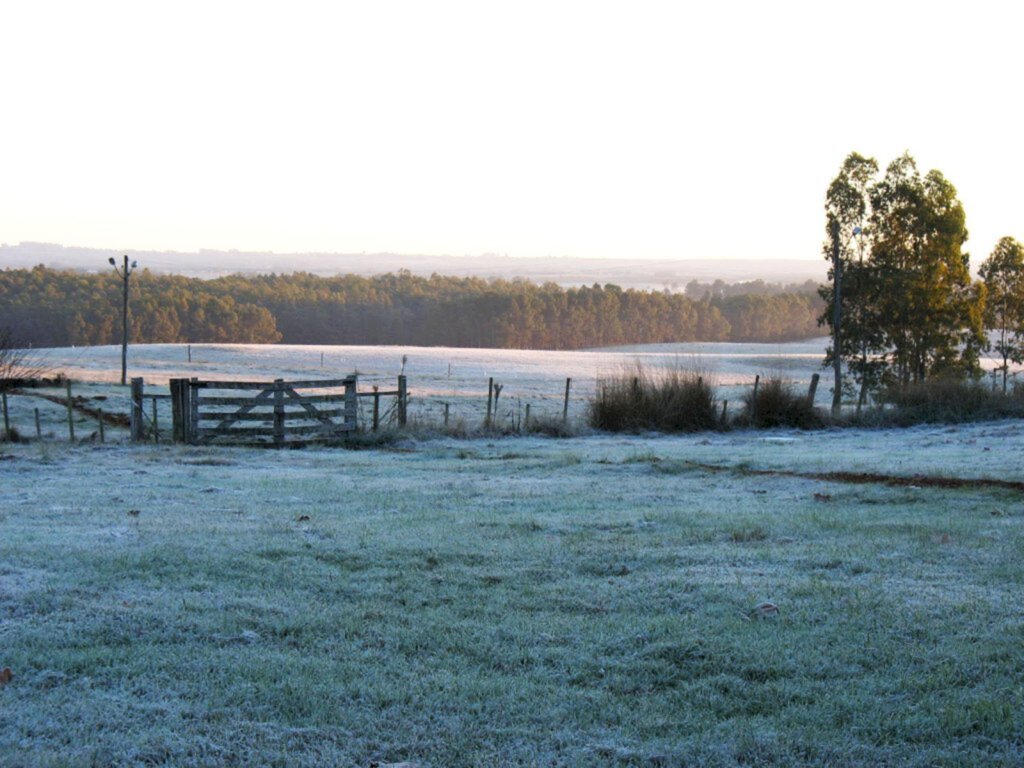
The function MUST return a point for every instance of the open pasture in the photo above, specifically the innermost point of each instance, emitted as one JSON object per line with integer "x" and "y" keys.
{"x": 436, "y": 375}
{"x": 518, "y": 602}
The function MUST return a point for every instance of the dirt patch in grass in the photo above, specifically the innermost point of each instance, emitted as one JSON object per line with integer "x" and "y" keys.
{"x": 923, "y": 481}
{"x": 868, "y": 478}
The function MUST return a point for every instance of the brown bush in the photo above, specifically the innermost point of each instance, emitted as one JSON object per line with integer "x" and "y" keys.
{"x": 668, "y": 400}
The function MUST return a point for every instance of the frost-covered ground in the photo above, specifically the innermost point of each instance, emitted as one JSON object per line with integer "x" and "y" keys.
{"x": 516, "y": 601}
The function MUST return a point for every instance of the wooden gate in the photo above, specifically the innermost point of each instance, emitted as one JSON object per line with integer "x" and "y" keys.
{"x": 275, "y": 413}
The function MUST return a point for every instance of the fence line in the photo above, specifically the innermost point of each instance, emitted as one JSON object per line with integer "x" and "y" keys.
{"x": 295, "y": 412}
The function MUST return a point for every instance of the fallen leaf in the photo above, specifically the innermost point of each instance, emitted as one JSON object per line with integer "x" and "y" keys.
{"x": 134, "y": 512}
{"x": 303, "y": 518}
{"x": 823, "y": 497}
{"x": 6, "y": 676}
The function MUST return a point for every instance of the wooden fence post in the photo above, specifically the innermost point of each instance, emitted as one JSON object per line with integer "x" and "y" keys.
{"x": 403, "y": 400}
{"x": 490, "y": 398}
{"x": 565, "y": 407}
{"x": 376, "y": 408}
{"x": 725, "y": 406}
{"x": 7, "y": 421}
{"x": 177, "y": 411}
{"x": 753, "y": 401}
{"x": 71, "y": 414}
{"x": 446, "y": 415}
{"x": 192, "y": 422}
{"x": 278, "y": 412}
{"x": 862, "y": 397}
{"x": 99, "y": 418}
{"x": 497, "y": 394}
{"x": 39, "y": 427}
{"x": 190, "y": 353}
{"x": 138, "y": 430}
{"x": 526, "y": 419}
{"x": 156, "y": 425}
{"x": 352, "y": 405}
{"x": 812, "y": 390}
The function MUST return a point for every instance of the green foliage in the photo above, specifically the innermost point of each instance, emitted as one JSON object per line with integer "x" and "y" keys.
{"x": 57, "y": 308}
{"x": 847, "y": 207}
{"x": 1003, "y": 275}
{"x": 926, "y": 299}
{"x": 666, "y": 400}
{"x": 49, "y": 308}
{"x": 909, "y": 308}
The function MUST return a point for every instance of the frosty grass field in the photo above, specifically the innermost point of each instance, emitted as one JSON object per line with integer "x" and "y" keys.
{"x": 512, "y": 601}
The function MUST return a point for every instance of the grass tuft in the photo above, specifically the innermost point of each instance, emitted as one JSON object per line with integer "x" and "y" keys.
{"x": 779, "y": 405}
{"x": 949, "y": 400}
{"x": 666, "y": 400}
{"x": 552, "y": 426}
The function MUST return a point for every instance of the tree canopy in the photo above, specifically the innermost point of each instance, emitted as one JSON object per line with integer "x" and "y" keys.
{"x": 909, "y": 309}
{"x": 1003, "y": 275}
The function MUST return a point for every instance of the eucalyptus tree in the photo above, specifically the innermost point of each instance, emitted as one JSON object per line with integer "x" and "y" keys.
{"x": 849, "y": 293}
{"x": 925, "y": 302}
{"x": 1003, "y": 275}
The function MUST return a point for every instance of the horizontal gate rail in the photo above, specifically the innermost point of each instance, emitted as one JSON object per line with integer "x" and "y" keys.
{"x": 318, "y": 384}
{"x": 276, "y": 412}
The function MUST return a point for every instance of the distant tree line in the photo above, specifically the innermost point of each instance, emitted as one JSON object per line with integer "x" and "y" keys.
{"x": 47, "y": 307}
{"x": 695, "y": 289}
{"x": 908, "y": 307}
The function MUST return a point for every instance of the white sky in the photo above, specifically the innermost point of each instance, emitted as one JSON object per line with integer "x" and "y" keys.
{"x": 655, "y": 130}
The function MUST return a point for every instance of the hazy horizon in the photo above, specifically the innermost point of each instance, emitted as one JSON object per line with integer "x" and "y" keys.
{"x": 672, "y": 274}
{"x": 539, "y": 130}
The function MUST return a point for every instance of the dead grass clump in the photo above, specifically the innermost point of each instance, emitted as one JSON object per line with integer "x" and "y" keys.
{"x": 743, "y": 534}
{"x": 779, "y": 405}
{"x": 949, "y": 400}
{"x": 552, "y": 426}
{"x": 11, "y": 435}
{"x": 668, "y": 400}
{"x": 18, "y": 365}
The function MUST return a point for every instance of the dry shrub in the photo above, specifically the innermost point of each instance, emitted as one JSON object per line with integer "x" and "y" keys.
{"x": 666, "y": 400}
{"x": 779, "y": 405}
{"x": 552, "y": 426}
{"x": 950, "y": 400}
{"x": 18, "y": 365}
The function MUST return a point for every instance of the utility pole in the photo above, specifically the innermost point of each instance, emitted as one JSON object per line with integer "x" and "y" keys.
{"x": 124, "y": 273}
